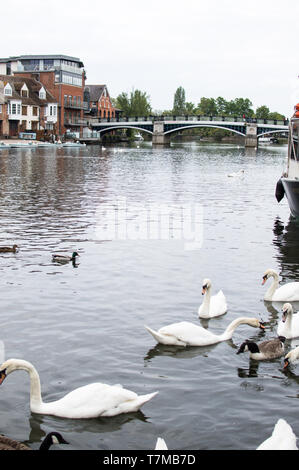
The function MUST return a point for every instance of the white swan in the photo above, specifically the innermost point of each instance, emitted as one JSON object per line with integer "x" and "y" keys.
{"x": 161, "y": 444}
{"x": 236, "y": 173}
{"x": 282, "y": 438}
{"x": 289, "y": 324}
{"x": 270, "y": 349}
{"x": 287, "y": 293}
{"x": 292, "y": 357}
{"x": 188, "y": 334}
{"x": 213, "y": 305}
{"x": 89, "y": 401}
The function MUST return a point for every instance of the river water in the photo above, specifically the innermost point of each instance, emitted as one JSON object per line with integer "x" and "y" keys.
{"x": 85, "y": 323}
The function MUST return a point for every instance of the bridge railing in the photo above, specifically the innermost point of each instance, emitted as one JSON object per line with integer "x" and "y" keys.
{"x": 195, "y": 118}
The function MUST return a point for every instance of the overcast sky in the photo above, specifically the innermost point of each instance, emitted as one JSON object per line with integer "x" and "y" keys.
{"x": 211, "y": 48}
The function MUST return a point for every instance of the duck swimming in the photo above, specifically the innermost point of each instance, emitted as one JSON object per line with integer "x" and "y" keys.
{"x": 9, "y": 249}
{"x": 65, "y": 258}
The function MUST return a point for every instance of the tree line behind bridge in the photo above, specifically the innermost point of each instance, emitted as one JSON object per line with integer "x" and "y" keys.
{"x": 137, "y": 103}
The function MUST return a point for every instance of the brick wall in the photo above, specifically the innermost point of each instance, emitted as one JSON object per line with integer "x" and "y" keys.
{"x": 59, "y": 90}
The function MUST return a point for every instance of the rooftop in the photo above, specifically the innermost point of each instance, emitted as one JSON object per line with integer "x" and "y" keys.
{"x": 42, "y": 56}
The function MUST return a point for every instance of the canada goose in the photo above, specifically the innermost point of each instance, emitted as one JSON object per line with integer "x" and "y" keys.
{"x": 289, "y": 324}
{"x": 291, "y": 357}
{"x": 188, "y": 334}
{"x": 266, "y": 350}
{"x": 65, "y": 258}
{"x": 8, "y": 249}
{"x": 282, "y": 438}
{"x": 287, "y": 293}
{"x": 89, "y": 401}
{"x": 51, "y": 438}
{"x": 213, "y": 305}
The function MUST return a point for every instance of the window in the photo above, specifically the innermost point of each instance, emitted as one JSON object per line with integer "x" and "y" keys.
{"x": 42, "y": 94}
{"x": 35, "y": 111}
{"x": 24, "y": 91}
{"x": 24, "y": 110}
{"x": 48, "y": 64}
{"x": 8, "y": 90}
{"x": 71, "y": 80}
{"x": 52, "y": 110}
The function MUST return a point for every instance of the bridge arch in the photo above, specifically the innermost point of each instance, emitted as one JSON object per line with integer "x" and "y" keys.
{"x": 113, "y": 128}
{"x": 172, "y": 131}
{"x": 272, "y": 132}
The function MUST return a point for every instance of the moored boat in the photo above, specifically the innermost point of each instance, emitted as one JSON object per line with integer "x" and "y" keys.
{"x": 288, "y": 184}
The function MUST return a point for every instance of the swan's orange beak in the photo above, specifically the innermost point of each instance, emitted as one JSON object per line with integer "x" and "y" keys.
{"x": 203, "y": 291}
{"x": 286, "y": 363}
{"x": 2, "y": 376}
{"x": 264, "y": 280}
{"x": 262, "y": 326}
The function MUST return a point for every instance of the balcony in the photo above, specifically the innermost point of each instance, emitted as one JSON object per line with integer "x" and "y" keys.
{"x": 75, "y": 122}
{"x": 67, "y": 104}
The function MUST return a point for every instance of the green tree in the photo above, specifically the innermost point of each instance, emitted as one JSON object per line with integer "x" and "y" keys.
{"x": 262, "y": 112}
{"x": 240, "y": 106}
{"x": 179, "y": 101}
{"x": 207, "y": 107}
{"x": 221, "y": 105}
{"x": 135, "y": 104}
{"x": 189, "y": 108}
{"x": 275, "y": 115}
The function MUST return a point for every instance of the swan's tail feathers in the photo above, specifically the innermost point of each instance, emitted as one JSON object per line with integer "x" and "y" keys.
{"x": 142, "y": 399}
{"x": 130, "y": 406}
{"x": 161, "y": 444}
{"x": 158, "y": 337}
{"x": 134, "y": 405}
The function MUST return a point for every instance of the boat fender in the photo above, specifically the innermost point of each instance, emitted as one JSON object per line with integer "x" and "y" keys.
{"x": 279, "y": 192}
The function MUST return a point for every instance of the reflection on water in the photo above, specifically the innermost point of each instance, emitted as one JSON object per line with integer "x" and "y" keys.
{"x": 286, "y": 242}
{"x": 86, "y": 324}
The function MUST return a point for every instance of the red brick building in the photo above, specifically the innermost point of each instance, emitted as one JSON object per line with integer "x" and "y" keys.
{"x": 99, "y": 101}
{"x": 63, "y": 76}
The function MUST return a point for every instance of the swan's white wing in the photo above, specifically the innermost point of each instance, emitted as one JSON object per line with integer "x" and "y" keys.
{"x": 161, "y": 444}
{"x": 218, "y": 305}
{"x": 282, "y": 438}
{"x": 293, "y": 332}
{"x": 189, "y": 333}
{"x": 288, "y": 292}
{"x": 96, "y": 399}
